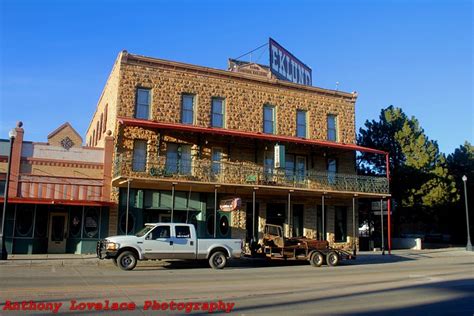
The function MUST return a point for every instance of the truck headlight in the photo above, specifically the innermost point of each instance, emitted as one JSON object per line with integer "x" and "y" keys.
{"x": 112, "y": 246}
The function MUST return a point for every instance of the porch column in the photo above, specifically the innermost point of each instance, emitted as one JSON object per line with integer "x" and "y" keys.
{"x": 289, "y": 213}
{"x": 323, "y": 233}
{"x": 389, "y": 234}
{"x": 254, "y": 239}
{"x": 381, "y": 225}
{"x": 215, "y": 211}
{"x": 354, "y": 234}
{"x": 128, "y": 206}
{"x": 172, "y": 201}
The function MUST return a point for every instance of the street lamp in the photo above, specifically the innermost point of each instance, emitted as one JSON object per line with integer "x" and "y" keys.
{"x": 3, "y": 248}
{"x": 469, "y": 245}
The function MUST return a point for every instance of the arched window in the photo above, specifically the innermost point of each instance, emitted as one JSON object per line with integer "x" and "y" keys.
{"x": 98, "y": 132}
{"x": 101, "y": 124}
{"x": 105, "y": 119}
{"x": 93, "y": 138}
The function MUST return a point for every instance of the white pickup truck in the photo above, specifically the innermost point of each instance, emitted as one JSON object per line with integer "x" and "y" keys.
{"x": 167, "y": 241}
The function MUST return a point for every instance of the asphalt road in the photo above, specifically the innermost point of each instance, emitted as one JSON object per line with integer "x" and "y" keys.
{"x": 436, "y": 282}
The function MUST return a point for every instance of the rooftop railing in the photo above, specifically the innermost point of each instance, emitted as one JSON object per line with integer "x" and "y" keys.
{"x": 246, "y": 173}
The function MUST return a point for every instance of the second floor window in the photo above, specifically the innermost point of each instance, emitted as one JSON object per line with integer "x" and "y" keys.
{"x": 139, "y": 155}
{"x": 332, "y": 169}
{"x": 217, "y": 119}
{"x": 269, "y": 119}
{"x": 187, "y": 109}
{"x": 216, "y": 160}
{"x": 301, "y": 123}
{"x": 332, "y": 127}
{"x": 178, "y": 159}
{"x": 142, "y": 107}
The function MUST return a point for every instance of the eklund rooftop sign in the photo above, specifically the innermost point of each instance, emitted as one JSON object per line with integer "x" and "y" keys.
{"x": 285, "y": 66}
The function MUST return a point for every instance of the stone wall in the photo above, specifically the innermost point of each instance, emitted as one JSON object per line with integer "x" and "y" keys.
{"x": 244, "y": 99}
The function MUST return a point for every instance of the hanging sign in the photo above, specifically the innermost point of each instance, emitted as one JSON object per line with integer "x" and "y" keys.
{"x": 287, "y": 67}
{"x": 230, "y": 205}
{"x": 279, "y": 156}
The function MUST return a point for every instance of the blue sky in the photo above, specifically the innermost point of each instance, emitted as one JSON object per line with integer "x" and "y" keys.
{"x": 56, "y": 55}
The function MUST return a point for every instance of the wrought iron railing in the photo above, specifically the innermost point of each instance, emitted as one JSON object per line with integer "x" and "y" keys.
{"x": 241, "y": 173}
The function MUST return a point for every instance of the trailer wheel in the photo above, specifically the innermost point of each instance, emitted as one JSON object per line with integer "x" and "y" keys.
{"x": 127, "y": 260}
{"x": 332, "y": 258}
{"x": 316, "y": 259}
{"x": 218, "y": 260}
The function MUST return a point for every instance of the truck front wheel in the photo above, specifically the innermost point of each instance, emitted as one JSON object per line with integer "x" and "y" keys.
{"x": 218, "y": 260}
{"x": 127, "y": 260}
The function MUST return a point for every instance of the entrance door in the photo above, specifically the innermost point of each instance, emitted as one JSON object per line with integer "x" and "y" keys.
{"x": 57, "y": 233}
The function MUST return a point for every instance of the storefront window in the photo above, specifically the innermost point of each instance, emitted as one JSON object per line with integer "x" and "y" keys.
{"x": 41, "y": 225}
{"x": 24, "y": 220}
{"x": 224, "y": 225}
{"x": 75, "y": 222}
{"x": 91, "y": 223}
{"x": 210, "y": 225}
{"x": 123, "y": 223}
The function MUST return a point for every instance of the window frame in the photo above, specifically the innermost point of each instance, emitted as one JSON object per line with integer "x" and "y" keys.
{"x": 223, "y": 114}
{"x": 144, "y": 141}
{"x": 177, "y": 166}
{"x": 305, "y": 113}
{"x": 273, "y": 108}
{"x": 193, "y": 108}
{"x": 137, "y": 103}
{"x": 217, "y": 163}
{"x": 335, "y": 129}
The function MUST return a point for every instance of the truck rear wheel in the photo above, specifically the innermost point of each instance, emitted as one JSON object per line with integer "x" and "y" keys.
{"x": 127, "y": 260}
{"x": 332, "y": 258}
{"x": 218, "y": 260}
{"x": 316, "y": 259}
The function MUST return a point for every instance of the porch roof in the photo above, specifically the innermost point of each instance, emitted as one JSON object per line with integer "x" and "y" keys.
{"x": 245, "y": 134}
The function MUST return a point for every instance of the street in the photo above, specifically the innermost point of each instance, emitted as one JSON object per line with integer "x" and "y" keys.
{"x": 431, "y": 282}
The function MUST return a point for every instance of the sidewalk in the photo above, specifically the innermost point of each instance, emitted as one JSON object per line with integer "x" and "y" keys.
{"x": 54, "y": 260}
{"x": 364, "y": 257}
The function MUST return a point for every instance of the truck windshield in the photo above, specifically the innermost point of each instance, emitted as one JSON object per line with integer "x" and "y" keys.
{"x": 144, "y": 230}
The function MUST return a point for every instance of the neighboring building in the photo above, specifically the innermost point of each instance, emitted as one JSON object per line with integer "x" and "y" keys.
{"x": 184, "y": 134}
{"x": 59, "y": 194}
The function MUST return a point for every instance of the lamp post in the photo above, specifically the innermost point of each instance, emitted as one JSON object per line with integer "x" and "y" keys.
{"x": 3, "y": 248}
{"x": 469, "y": 245}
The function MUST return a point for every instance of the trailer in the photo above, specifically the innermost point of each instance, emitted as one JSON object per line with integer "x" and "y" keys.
{"x": 317, "y": 252}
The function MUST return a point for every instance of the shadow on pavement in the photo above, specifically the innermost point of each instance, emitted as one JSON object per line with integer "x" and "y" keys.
{"x": 463, "y": 305}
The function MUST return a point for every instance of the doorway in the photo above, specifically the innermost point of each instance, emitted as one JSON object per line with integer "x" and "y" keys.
{"x": 57, "y": 233}
{"x": 276, "y": 213}
{"x": 249, "y": 219}
{"x": 298, "y": 210}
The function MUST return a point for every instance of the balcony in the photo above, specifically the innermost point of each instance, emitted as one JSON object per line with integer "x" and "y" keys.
{"x": 247, "y": 174}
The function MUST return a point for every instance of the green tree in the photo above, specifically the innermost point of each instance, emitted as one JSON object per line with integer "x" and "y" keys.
{"x": 420, "y": 180}
{"x": 460, "y": 163}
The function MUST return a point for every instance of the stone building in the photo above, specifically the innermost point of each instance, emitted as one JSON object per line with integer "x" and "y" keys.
{"x": 187, "y": 138}
{"x": 59, "y": 193}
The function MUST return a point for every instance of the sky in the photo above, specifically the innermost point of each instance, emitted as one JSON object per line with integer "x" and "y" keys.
{"x": 55, "y": 56}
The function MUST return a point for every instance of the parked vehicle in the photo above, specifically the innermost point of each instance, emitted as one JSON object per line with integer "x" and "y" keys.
{"x": 167, "y": 241}
{"x": 276, "y": 246}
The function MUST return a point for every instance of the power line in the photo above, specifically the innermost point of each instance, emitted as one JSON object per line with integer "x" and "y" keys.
{"x": 252, "y": 51}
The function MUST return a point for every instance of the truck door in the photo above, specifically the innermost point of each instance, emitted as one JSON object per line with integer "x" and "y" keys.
{"x": 184, "y": 243}
{"x": 158, "y": 244}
